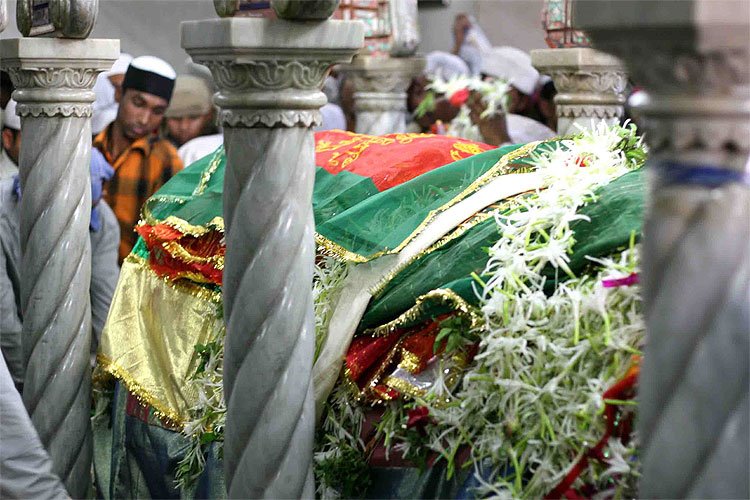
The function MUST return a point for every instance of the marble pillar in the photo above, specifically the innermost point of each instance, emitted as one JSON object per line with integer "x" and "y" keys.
{"x": 3, "y": 15}
{"x": 54, "y": 80}
{"x": 590, "y": 86}
{"x": 693, "y": 59}
{"x": 380, "y": 95}
{"x": 269, "y": 73}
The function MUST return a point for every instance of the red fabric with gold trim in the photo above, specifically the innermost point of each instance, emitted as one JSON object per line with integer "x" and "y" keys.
{"x": 392, "y": 159}
{"x": 174, "y": 255}
{"x": 366, "y": 355}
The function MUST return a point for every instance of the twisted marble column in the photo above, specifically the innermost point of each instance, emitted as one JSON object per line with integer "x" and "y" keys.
{"x": 3, "y": 15}
{"x": 269, "y": 76}
{"x": 54, "y": 79}
{"x": 590, "y": 86}
{"x": 380, "y": 95}
{"x": 694, "y": 384}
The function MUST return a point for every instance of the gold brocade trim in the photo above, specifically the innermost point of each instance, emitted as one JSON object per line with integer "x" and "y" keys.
{"x": 441, "y": 296}
{"x": 161, "y": 410}
{"x": 178, "y": 251}
{"x": 409, "y": 361}
{"x": 351, "y": 386}
{"x": 404, "y": 387}
{"x": 500, "y": 168}
{"x": 376, "y": 290}
{"x": 337, "y": 251}
{"x": 186, "y": 228}
{"x": 375, "y": 379}
{"x": 333, "y": 249}
{"x": 182, "y": 286}
{"x": 206, "y": 175}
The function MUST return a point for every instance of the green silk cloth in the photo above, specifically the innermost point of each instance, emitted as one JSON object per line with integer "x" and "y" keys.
{"x": 353, "y": 219}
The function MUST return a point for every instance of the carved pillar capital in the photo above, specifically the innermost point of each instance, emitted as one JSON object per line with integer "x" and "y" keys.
{"x": 696, "y": 107}
{"x": 590, "y": 85}
{"x": 55, "y": 77}
{"x": 380, "y": 91}
{"x": 693, "y": 60}
{"x": 273, "y": 73}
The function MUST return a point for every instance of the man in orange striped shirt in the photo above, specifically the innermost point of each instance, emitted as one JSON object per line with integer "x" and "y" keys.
{"x": 142, "y": 161}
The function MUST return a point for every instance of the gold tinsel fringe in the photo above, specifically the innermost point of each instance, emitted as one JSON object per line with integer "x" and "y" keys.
{"x": 161, "y": 410}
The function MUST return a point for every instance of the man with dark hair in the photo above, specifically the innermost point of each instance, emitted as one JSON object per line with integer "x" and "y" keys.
{"x": 6, "y": 89}
{"x": 142, "y": 161}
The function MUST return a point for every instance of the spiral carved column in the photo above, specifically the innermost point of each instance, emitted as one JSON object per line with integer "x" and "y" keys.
{"x": 269, "y": 79}
{"x": 54, "y": 101}
{"x": 694, "y": 386}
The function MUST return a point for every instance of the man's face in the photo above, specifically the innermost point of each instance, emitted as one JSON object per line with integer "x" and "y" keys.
{"x": 187, "y": 127}
{"x": 140, "y": 113}
{"x": 12, "y": 143}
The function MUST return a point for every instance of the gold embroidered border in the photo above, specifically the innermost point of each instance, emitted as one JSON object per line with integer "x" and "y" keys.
{"x": 178, "y": 251}
{"x": 440, "y": 295}
{"x": 206, "y": 175}
{"x": 409, "y": 361}
{"x": 162, "y": 410}
{"x": 404, "y": 387}
{"x": 183, "y": 286}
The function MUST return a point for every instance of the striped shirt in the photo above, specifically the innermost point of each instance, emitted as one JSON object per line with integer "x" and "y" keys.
{"x": 140, "y": 171}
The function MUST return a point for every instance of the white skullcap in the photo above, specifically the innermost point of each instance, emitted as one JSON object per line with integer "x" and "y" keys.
{"x": 513, "y": 65}
{"x": 121, "y": 65}
{"x": 10, "y": 118}
{"x": 151, "y": 75}
{"x": 104, "y": 109}
{"x": 154, "y": 65}
{"x": 445, "y": 66}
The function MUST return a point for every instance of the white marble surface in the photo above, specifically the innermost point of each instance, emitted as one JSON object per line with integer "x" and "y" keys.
{"x": 269, "y": 74}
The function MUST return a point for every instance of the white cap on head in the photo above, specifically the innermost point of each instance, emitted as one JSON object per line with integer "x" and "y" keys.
{"x": 445, "y": 66}
{"x": 104, "y": 109}
{"x": 154, "y": 65}
{"x": 513, "y": 65}
{"x": 10, "y": 118}
{"x": 151, "y": 75}
{"x": 121, "y": 65}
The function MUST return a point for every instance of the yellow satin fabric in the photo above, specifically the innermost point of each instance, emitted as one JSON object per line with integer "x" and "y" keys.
{"x": 150, "y": 337}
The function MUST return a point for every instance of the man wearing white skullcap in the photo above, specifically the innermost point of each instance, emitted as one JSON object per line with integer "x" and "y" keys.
{"x": 521, "y": 124}
{"x": 107, "y": 83}
{"x": 444, "y": 66}
{"x": 11, "y": 141}
{"x": 143, "y": 162}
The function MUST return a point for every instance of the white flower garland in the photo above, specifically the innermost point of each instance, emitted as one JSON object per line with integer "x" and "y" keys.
{"x": 533, "y": 395}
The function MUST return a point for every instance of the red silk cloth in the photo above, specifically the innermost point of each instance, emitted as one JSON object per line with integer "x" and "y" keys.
{"x": 392, "y": 159}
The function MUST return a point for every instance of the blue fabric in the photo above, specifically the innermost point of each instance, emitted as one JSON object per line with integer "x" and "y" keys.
{"x": 101, "y": 171}
{"x": 673, "y": 173}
